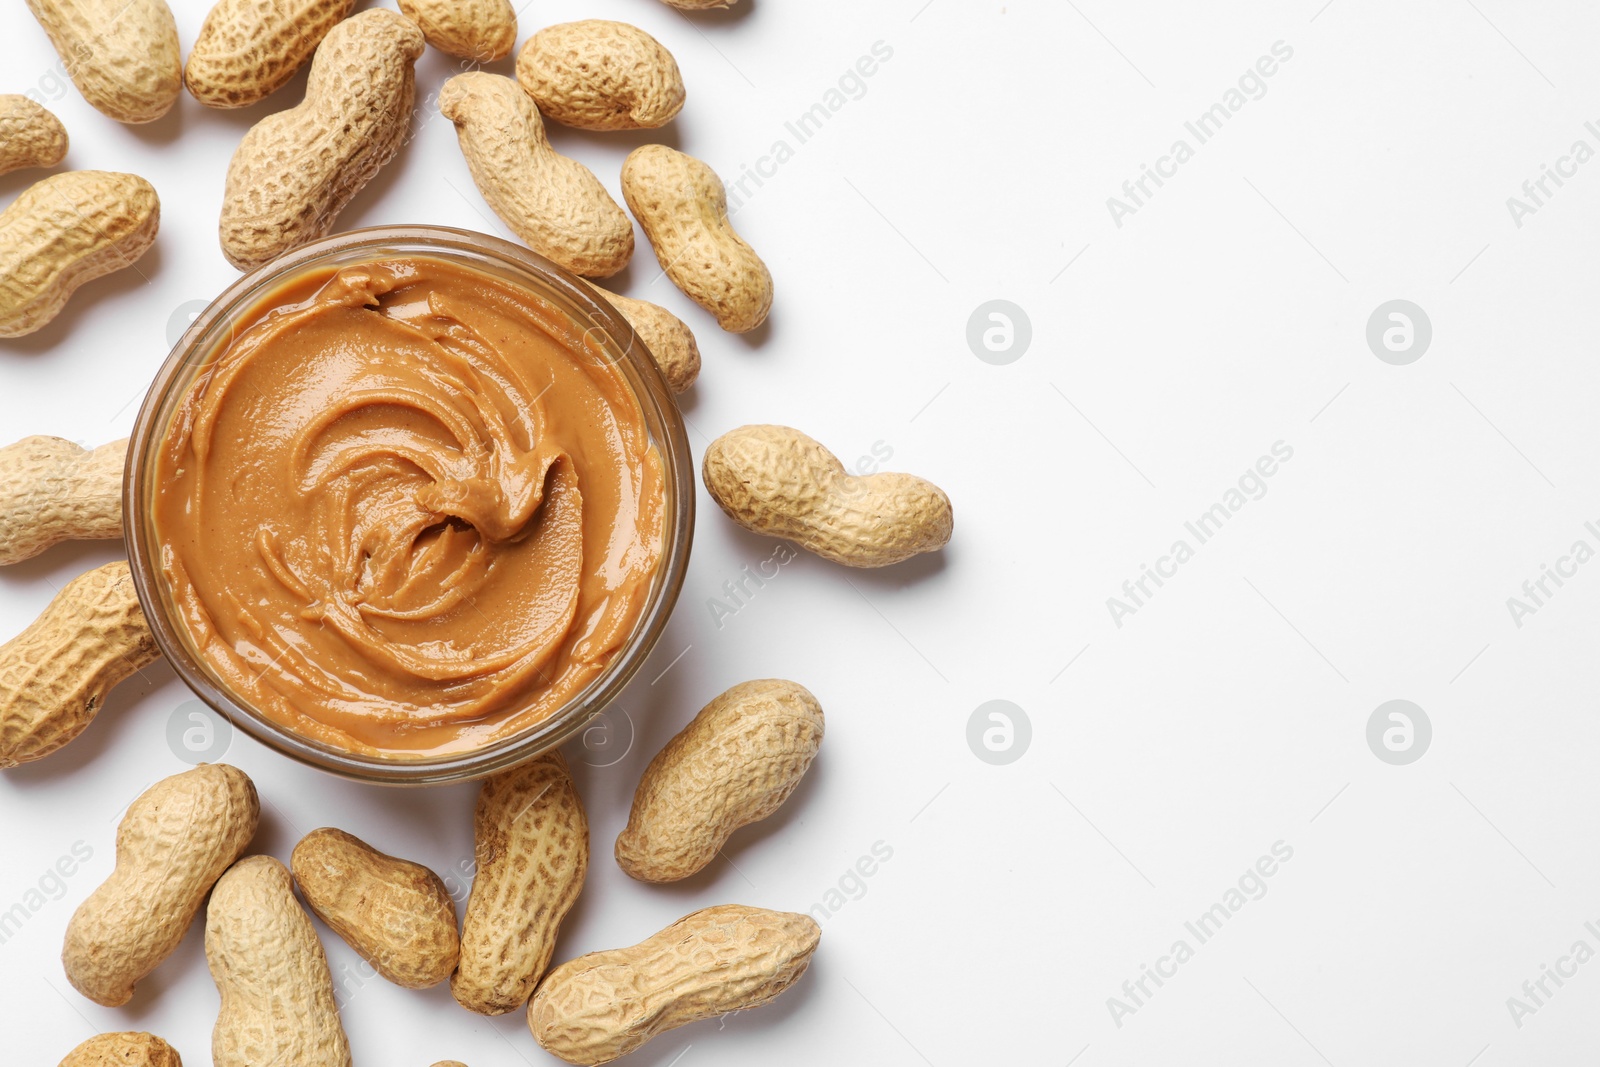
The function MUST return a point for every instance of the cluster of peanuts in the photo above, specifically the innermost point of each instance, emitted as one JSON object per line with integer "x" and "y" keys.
{"x": 185, "y": 839}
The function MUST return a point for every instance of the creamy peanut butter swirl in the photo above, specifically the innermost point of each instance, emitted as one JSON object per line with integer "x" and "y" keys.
{"x": 409, "y": 508}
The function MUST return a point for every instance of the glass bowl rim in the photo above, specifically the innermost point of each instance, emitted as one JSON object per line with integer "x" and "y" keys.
{"x": 462, "y": 246}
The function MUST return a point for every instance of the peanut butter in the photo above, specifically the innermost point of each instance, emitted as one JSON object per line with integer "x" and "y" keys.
{"x": 409, "y": 509}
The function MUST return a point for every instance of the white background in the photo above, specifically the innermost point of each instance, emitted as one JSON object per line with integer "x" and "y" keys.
{"x": 1167, "y": 354}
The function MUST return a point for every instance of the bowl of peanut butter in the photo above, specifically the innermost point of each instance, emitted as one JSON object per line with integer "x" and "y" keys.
{"x": 409, "y": 504}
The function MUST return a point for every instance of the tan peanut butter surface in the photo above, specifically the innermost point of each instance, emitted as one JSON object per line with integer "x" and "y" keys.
{"x": 408, "y": 508}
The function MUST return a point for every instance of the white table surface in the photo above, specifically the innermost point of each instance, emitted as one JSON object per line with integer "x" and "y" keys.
{"x": 1227, "y": 715}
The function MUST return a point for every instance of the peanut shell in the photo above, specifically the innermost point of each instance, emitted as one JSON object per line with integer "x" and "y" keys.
{"x": 682, "y": 206}
{"x": 481, "y": 30}
{"x": 776, "y": 481}
{"x": 734, "y": 764}
{"x": 532, "y": 851}
{"x": 397, "y": 914}
{"x": 127, "y": 1049}
{"x": 121, "y": 54}
{"x": 598, "y": 1007}
{"x": 172, "y": 845}
{"x": 30, "y": 136}
{"x": 249, "y": 49}
{"x": 296, "y": 170}
{"x": 669, "y": 339}
{"x": 278, "y": 1005}
{"x": 54, "y": 676}
{"x": 555, "y": 204}
{"x": 64, "y": 231}
{"x": 52, "y": 490}
{"x": 600, "y": 75}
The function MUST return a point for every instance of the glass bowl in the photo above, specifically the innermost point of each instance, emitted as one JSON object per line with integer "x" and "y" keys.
{"x": 212, "y": 332}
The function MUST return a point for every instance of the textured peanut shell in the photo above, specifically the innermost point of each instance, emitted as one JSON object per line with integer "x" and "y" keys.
{"x": 532, "y": 851}
{"x": 54, "y": 676}
{"x": 776, "y": 481}
{"x": 397, "y": 914}
{"x": 67, "y": 230}
{"x": 126, "y": 1049}
{"x": 277, "y": 995}
{"x": 449, "y": 1063}
{"x": 30, "y": 136}
{"x": 601, "y": 75}
{"x": 52, "y": 490}
{"x": 121, "y": 54}
{"x": 296, "y": 170}
{"x": 555, "y": 204}
{"x": 484, "y": 30}
{"x": 734, "y": 764}
{"x": 172, "y": 845}
{"x": 669, "y": 339}
{"x": 249, "y": 49}
{"x": 598, "y": 1007}
{"x": 682, "y": 206}
{"x": 698, "y": 5}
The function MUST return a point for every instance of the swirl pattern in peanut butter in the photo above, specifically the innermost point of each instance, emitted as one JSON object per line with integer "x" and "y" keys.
{"x": 411, "y": 508}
